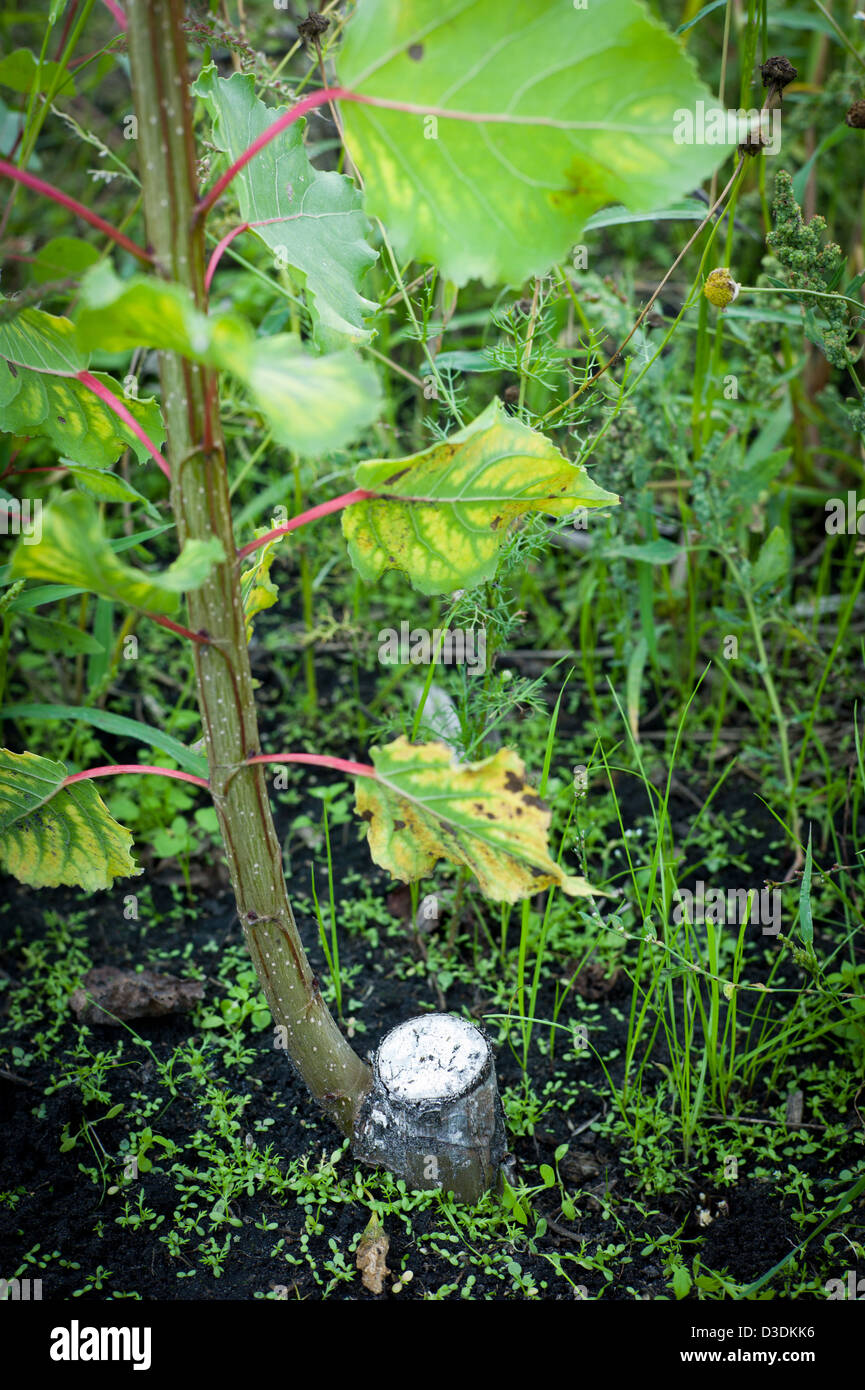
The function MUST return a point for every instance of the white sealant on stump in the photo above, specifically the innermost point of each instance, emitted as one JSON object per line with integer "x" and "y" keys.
{"x": 433, "y": 1115}
{"x": 432, "y": 1057}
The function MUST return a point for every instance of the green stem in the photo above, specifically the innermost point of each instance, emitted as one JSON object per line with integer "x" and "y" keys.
{"x": 772, "y": 693}
{"x": 201, "y": 506}
{"x": 306, "y": 600}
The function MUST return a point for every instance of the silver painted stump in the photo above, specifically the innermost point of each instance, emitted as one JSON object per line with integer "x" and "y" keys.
{"x": 433, "y": 1115}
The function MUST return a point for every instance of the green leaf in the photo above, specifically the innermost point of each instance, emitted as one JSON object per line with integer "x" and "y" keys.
{"x": 108, "y": 486}
{"x": 707, "y": 9}
{"x": 471, "y": 360}
{"x": 99, "y": 663}
{"x": 689, "y": 210}
{"x": 117, "y": 724}
{"x": 681, "y": 1282}
{"x": 39, "y": 395}
{"x": 445, "y": 512}
{"x": 51, "y": 834}
{"x": 20, "y": 71}
{"x": 800, "y": 180}
{"x": 422, "y": 807}
{"x": 312, "y": 404}
{"x": 773, "y": 560}
{"x": 42, "y": 594}
{"x": 321, "y": 235}
{"x": 74, "y": 550}
{"x": 657, "y": 552}
{"x": 50, "y": 635}
{"x": 512, "y": 1202}
{"x": 63, "y": 256}
{"x": 51, "y": 593}
{"x": 585, "y": 103}
{"x": 634, "y": 684}
{"x": 806, "y": 920}
{"x": 548, "y": 1177}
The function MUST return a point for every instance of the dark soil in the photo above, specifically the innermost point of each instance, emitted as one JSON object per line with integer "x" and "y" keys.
{"x": 63, "y": 1210}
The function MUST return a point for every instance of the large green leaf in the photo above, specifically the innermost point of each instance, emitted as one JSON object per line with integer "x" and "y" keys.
{"x": 51, "y": 834}
{"x": 312, "y": 404}
{"x": 422, "y": 807}
{"x": 39, "y": 395}
{"x": 321, "y": 231}
{"x": 584, "y": 101}
{"x": 445, "y": 513}
{"x": 74, "y": 550}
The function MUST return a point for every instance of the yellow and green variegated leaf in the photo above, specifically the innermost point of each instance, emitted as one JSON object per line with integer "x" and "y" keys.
{"x": 51, "y": 835}
{"x": 40, "y": 394}
{"x": 312, "y": 404}
{"x": 42, "y": 342}
{"x": 257, "y": 589}
{"x": 445, "y": 512}
{"x": 423, "y": 806}
{"x": 570, "y": 107}
{"x": 73, "y": 549}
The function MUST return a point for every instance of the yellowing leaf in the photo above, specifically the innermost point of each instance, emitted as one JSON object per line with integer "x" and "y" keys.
{"x": 51, "y": 834}
{"x": 423, "y": 806}
{"x": 73, "y": 549}
{"x": 445, "y": 512}
{"x": 572, "y": 107}
{"x": 40, "y": 395}
{"x": 256, "y": 586}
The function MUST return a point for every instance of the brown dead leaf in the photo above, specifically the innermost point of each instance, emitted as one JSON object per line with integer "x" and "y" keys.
{"x": 398, "y": 902}
{"x": 126, "y": 994}
{"x": 578, "y": 1165}
{"x": 372, "y": 1256}
{"x": 594, "y": 983}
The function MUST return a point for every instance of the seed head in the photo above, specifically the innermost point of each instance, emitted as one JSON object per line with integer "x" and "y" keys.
{"x": 720, "y": 288}
{"x": 777, "y": 73}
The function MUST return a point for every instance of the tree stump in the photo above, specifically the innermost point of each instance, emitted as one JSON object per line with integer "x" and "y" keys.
{"x": 433, "y": 1115}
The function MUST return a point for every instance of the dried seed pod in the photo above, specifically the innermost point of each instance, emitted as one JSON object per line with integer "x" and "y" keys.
{"x": 777, "y": 73}
{"x": 313, "y": 26}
